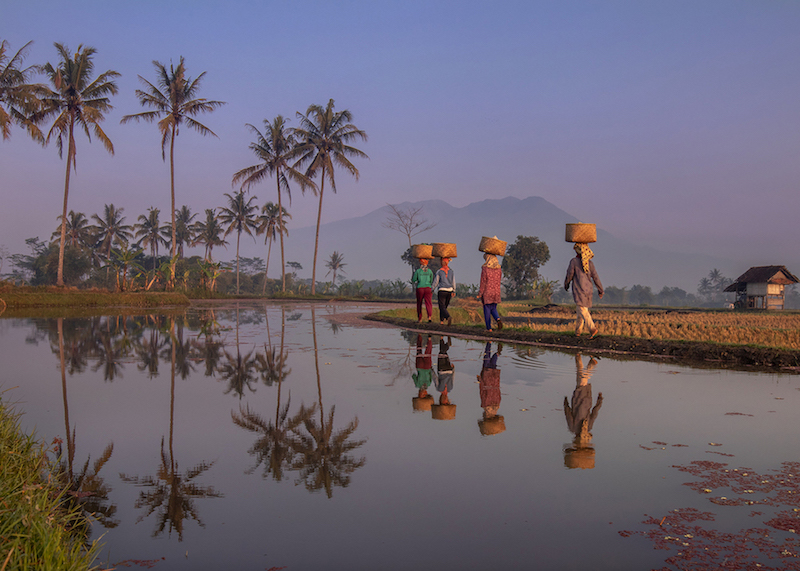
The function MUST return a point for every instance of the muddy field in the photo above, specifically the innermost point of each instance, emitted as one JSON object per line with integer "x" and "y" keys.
{"x": 690, "y": 352}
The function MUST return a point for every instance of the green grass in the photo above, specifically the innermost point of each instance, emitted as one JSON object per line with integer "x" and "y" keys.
{"x": 25, "y": 297}
{"x": 38, "y": 530}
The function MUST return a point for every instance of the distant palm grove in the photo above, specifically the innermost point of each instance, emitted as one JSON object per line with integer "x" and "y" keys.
{"x": 117, "y": 250}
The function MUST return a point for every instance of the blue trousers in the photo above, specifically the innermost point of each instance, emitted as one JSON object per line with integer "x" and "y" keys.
{"x": 489, "y": 311}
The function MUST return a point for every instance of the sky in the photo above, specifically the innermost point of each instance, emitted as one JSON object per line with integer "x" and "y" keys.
{"x": 674, "y": 124}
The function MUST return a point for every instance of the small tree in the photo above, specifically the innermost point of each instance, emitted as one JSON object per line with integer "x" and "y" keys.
{"x": 521, "y": 265}
{"x": 409, "y": 221}
{"x": 335, "y": 264}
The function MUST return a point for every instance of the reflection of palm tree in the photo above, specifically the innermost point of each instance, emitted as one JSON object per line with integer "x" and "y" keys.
{"x": 323, "y": 459}
{"x": 148, "y": 350}
{"x": 170, "y": 492}
{"x": 88, "y": 488}
{"x": 239, "y": 371}
{"x": 277, "y": 444}
{"x": 109, "y": 356}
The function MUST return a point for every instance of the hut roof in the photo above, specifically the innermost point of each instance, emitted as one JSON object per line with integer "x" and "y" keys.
{"x": 765, "y": 274}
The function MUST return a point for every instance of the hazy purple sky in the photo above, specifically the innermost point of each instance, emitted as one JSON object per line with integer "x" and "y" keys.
{"x": 671, "y": 123}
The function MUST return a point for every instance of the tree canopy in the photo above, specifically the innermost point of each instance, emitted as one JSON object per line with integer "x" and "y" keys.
{"x": 521, "y": 265}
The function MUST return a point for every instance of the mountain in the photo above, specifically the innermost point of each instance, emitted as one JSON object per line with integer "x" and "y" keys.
{"x": 372, "y": 251}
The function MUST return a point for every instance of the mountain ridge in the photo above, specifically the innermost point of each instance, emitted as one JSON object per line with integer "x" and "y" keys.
{"x": 372, "y": 251}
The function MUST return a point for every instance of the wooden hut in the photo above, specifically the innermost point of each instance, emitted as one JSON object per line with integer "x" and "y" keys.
{"x": 762, "y": 287}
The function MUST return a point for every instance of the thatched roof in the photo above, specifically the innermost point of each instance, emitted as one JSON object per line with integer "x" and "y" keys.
{"x": 764, "y": 274}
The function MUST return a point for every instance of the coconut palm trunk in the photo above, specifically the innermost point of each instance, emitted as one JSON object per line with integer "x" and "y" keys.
{"x": 62, "y": 243}
{"x": 280, "y": 229}
{"x": 316, "y": 239}
{"x": 172, "y": 191}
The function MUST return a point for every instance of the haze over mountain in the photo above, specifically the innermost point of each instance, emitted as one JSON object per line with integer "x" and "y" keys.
{"x": 372, "y": 251}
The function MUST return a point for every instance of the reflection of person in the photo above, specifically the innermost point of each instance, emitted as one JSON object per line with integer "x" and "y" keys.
{"x": 581, "y": 273}
{"x": 444, "y": 283}
{"x": 444, "y": 368}
{"x": 423, "y": 375}
{"x": 422, "y": 279}
{"x": 443, "y": 380}
{"x": 489, "y": 384}
{"x": 489, "y": 291}
{"x": 581, "y": 416}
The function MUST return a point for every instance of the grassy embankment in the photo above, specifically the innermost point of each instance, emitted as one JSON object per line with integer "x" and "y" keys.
{"x": 38, "y": 529}
{"x": 22, "y": 298}
{"x": 751, "y": 338}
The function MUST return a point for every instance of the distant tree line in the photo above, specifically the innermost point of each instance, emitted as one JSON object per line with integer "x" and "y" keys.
{"x": 75, "y": 98}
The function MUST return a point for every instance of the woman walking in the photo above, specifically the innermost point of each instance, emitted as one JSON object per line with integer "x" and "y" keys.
{"x": 445, "y": 286}
{"x": 489, "y": 291}
{"x": 581, "y": 273}
{"x": 422, "y": 281}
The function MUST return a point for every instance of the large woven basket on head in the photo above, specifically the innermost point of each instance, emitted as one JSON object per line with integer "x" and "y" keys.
{"x": 444, "y": 250}
{"x": 581, "y": 233}
{"x": 422, "y": 251}
{"x": 493, "y": 246}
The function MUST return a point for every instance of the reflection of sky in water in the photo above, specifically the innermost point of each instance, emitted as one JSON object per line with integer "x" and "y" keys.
{"x": 432, "y": 493}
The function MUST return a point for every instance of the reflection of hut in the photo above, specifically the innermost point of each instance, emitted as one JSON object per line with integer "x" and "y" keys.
{"x": 762, "y": 287}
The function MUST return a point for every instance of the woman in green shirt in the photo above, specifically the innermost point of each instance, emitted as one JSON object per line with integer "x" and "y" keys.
{"x": 422, "y": 281}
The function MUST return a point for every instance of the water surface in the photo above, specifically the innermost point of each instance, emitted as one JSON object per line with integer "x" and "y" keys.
{"x": 282, "y": 436}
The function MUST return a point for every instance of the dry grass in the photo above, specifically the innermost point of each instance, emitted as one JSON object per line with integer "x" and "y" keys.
{"x": 778, "y": 330}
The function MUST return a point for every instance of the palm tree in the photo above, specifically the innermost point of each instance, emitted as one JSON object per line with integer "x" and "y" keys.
{"x": 335, "y": 264}
{"x": 184, "y": 232}
{"x": 239, "y": 216}
{"x": 78, "y": 233}
{"x": 275, "y": 148}
{"x": 18, "y": 98}
{"x": 77, "y": 98}
{"x": 208, "y": 233}
{"x": 111, "y": 230}
{"x": 151, "y": 232}
{"x": 174, "y": 101}
{"x": 325, "y": 136}
{"x": 271, "y": 223}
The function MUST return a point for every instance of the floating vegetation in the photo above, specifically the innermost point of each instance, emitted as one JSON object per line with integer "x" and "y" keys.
{"x": 774, "y": 545}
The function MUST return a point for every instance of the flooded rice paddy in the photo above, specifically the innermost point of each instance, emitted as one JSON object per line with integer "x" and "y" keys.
{"x": 289, "y": 436}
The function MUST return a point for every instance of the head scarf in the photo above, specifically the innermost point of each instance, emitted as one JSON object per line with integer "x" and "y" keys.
{"x": 585, "y": 253}
{"x": 491, "y": 261}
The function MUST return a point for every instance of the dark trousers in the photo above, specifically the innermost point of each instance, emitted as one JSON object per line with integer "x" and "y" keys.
{"x": 424, "y": 294}
{"x": 444, "y": 301}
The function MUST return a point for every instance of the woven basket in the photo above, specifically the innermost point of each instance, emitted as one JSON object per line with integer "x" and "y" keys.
{"x": 444, "y": 250}
{"x": 493, "y": 425}
{"x": 422, "y": 404}
{"x": 581, "y": 233}
{"x": 493, "y": 246}
{"x": 443, "y": 411}
{"x": 422, "y": 251}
